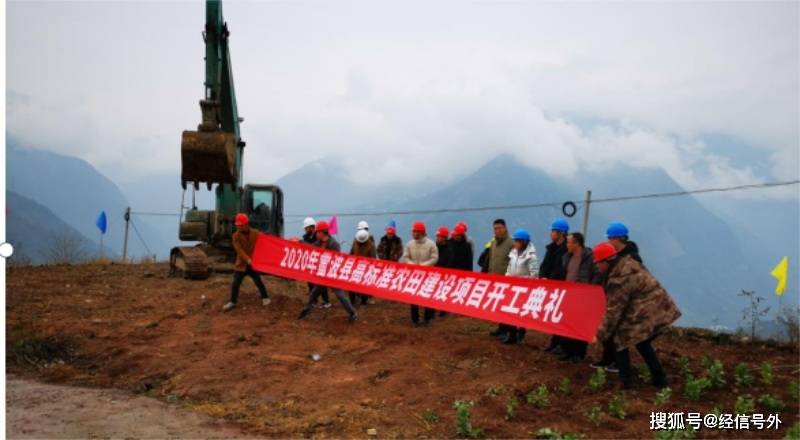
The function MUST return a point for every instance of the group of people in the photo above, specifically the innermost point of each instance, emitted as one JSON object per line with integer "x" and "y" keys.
{"x": 638, "y": 308}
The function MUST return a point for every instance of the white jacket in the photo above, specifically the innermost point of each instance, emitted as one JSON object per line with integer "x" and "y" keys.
{"x": 423, "y": 252}
{"x": 524, "y": 264}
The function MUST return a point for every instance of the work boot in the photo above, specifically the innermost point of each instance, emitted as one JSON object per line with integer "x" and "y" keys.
{"x": 304, "y": 313}
{"x": 265, "y": 302}
{"x": 353, "y": 317}
{"x": 228, "y": 307}
{"x": 325, "y": 305}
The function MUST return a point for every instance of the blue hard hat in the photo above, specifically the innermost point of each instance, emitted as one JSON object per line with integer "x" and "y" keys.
{"x": 616, "y": 230}
{"x": 521, "y": 234}
{"x": 560, "y": 225}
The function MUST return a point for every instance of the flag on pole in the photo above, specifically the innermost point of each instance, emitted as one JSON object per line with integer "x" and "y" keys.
{"x": 780, "y": 272}
{"x": 333, "y": 226}
{"x": 102, "y": 222}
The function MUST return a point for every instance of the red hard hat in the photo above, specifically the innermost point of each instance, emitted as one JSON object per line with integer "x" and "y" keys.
{"x": 603, "y": 251}
{"x": 418, "y": 227}
{"x": 460, "y": 229}
{"x": 241, "y": 219}
{"x": 462, "y": 224}
{"x": 391, "y": 230}
{"x": 322, "y": 225}
{"x": 442, "y": 231}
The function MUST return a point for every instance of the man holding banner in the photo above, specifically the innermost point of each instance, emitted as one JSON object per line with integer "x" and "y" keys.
{"x": 326, "y": 242}
{"x": 420, "y": 251}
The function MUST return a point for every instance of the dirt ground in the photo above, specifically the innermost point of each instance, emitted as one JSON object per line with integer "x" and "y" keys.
{"x": 129, "y": 327}
{"x": 35, "y": 410}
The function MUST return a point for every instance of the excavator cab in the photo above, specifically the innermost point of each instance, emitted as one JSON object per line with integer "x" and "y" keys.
{"x": 263, "y": 204}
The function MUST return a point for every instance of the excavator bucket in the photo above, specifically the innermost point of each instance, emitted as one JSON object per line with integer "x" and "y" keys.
{"x": 208, "y": 156}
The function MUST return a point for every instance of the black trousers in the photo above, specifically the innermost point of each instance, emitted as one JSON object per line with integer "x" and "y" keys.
{"x": 574, "y": 347}
{"x": 556, "y": 341}
{"x": 355, "y": 296}
{"x": 428, "y": 314}
{"x": 238, "y": 277}
{"x": 514, "y": 333}
{"x": 645, "y": 349}
{"x": 316, "y": 292}
{"x": 323, "y": 293}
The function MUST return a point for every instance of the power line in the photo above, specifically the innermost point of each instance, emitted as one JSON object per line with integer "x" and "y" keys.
{"x": 522, "y": 206}
{"x": 554, "y": 204}
{"x": 170, "y": 214}
{"x": 140, "y": 237}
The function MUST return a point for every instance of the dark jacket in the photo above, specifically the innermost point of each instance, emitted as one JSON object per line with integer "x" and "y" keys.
{"x": 587, "y": 272}
{"x": 638, "y": 308}
{"x": 483, "y": 260}
{"x": 552, "y": 266}
{"x": 332, "y": 245}
{"x": 461, "y": 252}
{"x": 390, "y": 249}
{"x": 631, "y": 249}
{"x": 310, "y": 238}
{"x": 445, "y": 255}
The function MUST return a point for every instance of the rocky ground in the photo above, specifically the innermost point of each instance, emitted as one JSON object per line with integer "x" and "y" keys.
{"x": 133, "y": 329}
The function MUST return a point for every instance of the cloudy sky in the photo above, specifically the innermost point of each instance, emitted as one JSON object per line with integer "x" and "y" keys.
{"x": 404, "y": 90}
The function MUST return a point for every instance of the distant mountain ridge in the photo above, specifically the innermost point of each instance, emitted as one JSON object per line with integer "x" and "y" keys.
{"x": 34, "y": 231}
{"x": 74, "y": 191}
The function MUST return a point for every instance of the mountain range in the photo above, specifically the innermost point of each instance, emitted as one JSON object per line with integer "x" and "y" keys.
{"x": 705, "y": 249}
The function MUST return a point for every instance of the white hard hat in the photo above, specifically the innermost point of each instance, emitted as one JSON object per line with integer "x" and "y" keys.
{"x": 363, "y": 225}
{"x": 362, "y": 236}
{"x": 309, "y": 222}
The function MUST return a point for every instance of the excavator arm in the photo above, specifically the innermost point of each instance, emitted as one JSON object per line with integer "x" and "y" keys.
{"x": 213, "y": 153}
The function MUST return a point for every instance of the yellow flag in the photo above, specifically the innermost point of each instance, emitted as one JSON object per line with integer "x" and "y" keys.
{"x": 780, "y": 273}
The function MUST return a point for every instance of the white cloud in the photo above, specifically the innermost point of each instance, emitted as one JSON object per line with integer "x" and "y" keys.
{"x": 419, "y": 90}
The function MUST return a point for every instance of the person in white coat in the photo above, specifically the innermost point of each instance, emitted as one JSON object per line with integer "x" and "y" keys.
{"x": 522, "y": 263}
{"x": 422, "y": 251}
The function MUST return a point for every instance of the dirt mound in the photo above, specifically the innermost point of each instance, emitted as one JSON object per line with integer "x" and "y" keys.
{"x": 132, "y": 328}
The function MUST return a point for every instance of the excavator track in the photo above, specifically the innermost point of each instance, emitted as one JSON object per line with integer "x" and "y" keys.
{"x": 191, "y": 262}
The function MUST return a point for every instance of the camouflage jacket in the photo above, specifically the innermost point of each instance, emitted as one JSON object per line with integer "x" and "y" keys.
{"x": 637, "y": 308}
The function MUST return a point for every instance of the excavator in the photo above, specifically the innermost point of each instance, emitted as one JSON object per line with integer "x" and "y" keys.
{"x": 213, "y": 155}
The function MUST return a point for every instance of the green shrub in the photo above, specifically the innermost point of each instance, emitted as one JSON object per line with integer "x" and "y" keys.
{"x": 663, "y": 397}
{"x": 794, "y": 390}
{"x": 595, "y": 415}
{"x": 598, "y": 379}
{"x": 683, "y": 365}
{"x": 539, "y": 397}
{"x": 644, "y": 373}
{"x": 745, "y": 404}
{"x": 743, "y": 377}
{"x": 716, "y": 374}
{"x": 616, "y": 407}
{"x": 495, "y": 390}
{"x": 767, "y": 374}
{"x": 430, "y": 416}
{"x": 511, "y": 407}
{"x": 565, "y": 386}
{"x": 694, "y": 388}
{"x": 771, "y": 402}
{"x": 464, "y": 426}
{"x": 676, "y": 434}
{"x": 793, "y": 433}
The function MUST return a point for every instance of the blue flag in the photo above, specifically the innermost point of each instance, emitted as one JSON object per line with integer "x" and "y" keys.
{"x": 102, "y": 223}
{"x": 393, "y": 223}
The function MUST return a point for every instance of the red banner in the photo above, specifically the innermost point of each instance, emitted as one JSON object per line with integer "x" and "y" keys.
{"x": 569, "y": 309}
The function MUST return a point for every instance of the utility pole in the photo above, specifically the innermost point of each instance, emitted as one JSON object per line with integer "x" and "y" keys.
{"x": 125, "y": 243}
{"x": 586, "y": 203}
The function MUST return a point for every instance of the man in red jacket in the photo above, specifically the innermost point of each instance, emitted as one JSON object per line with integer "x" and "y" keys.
{"x": 244, "y": 242}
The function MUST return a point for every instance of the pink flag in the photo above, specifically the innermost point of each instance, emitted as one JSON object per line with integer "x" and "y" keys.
{"x": 333, "y": 225}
